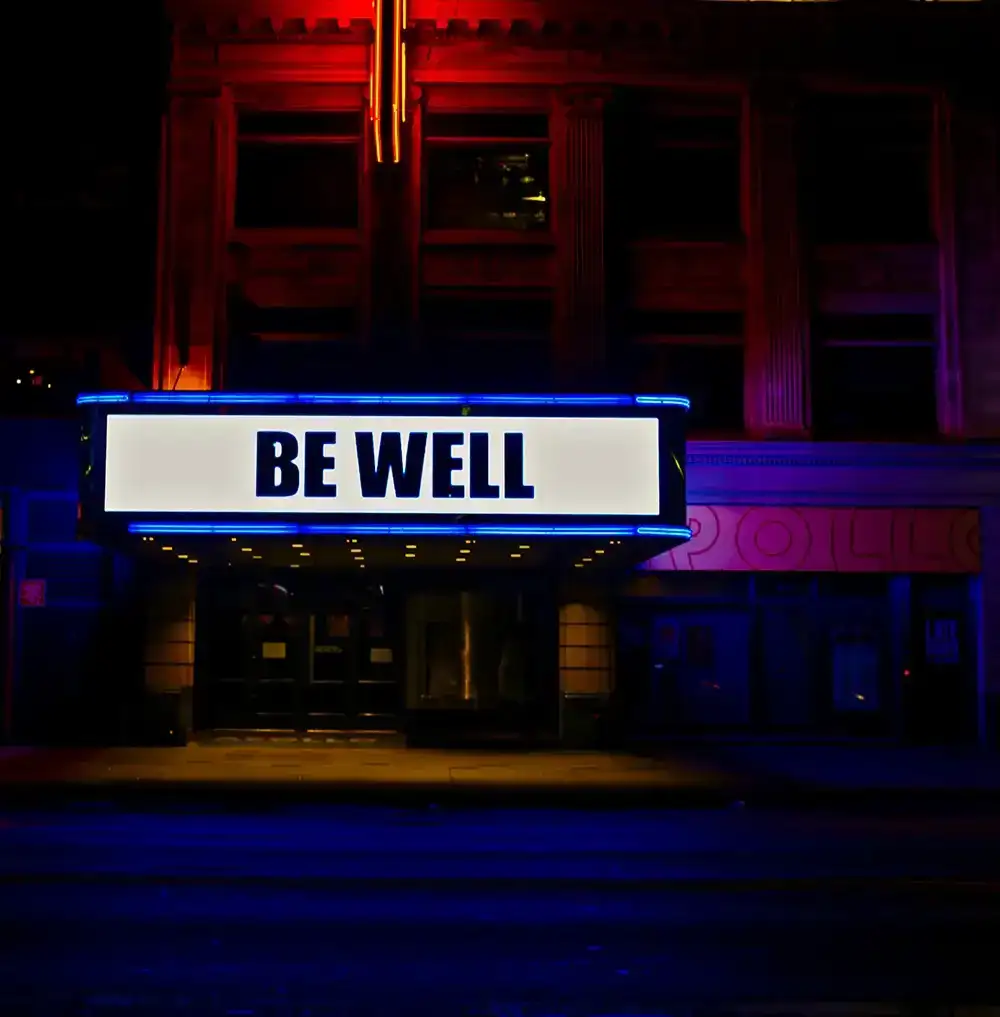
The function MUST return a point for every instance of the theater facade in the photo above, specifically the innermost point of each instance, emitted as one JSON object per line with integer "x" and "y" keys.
{"x": 773, "y": 225}
{"x": 367, "y": 565}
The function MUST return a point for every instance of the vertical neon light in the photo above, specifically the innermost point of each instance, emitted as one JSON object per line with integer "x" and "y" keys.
{"x": 402, "y": 64}
{"x": 397, "y": 76}
{"x": 375, "y": 84}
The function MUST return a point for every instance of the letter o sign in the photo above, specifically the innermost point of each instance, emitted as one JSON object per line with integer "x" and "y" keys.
{"x": 773, "y": 539}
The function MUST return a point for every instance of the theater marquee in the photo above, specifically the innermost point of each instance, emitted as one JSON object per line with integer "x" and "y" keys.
{"x": 558, "y": 461}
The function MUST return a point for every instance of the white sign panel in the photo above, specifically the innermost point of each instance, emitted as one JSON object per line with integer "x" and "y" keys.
{"x": 404, "y": 465}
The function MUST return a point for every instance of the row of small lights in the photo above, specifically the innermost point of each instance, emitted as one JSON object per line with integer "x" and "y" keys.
{"x": 258, "y": 557}
{"x": 169, "y": 547}
{"x": 600, "y": 550}
{"x": 359, "y": 555}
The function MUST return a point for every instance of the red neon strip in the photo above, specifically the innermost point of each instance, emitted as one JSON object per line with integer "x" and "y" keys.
{"x": 397, "y": 70}
{"x": 376, "y": 81}
{"x": 402, "y": 64}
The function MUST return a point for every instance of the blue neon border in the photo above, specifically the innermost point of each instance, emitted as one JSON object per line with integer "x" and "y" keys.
{"x": 324, "y": 399}
{"x": 408, "y": 530}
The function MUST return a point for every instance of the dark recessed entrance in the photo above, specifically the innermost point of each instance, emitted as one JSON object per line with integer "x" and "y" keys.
{"x": 460, "y": 658}
{"x": 312, "y": 660}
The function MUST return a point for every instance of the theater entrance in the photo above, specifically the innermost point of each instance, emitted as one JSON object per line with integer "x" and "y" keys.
{"x": 314, "y": 661}
{"x": 458, "y": 658}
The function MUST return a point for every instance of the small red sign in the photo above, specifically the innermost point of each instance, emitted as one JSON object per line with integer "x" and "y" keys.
{"x": 32, "y": 593}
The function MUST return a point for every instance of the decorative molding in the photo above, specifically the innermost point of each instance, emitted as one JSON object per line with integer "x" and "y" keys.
{"x": 777, "y": 325}
{"x": 579, "y": 227}
{"x": 864, "y": 455}
{"x": 813, "y": 473}
{"x": 775, "y": 538}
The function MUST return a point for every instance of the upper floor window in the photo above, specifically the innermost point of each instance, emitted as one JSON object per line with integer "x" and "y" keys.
{"x": 486, "y": 171}
{"x": 674, "y": 170}
{"x": 298, "y": 170}
{"x": 695, "y": 354}
{"x": 873, "y": 376}
{"x": 866, "y": 169}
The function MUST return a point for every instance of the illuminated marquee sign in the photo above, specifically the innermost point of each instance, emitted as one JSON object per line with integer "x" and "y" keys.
{"x": 474, "y": 465}
{"x": 353, "y": 465}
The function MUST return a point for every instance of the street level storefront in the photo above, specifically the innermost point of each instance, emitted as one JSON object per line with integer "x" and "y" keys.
{"x": 441, "y": 566}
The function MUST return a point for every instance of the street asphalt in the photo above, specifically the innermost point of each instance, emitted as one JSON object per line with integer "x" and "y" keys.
{"x": 288, "y": 909}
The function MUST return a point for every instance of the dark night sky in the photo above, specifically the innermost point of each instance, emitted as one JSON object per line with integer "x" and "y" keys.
{"x": 79, "y": 178}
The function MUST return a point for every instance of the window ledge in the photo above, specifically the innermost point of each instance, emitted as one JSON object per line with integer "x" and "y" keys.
{"x": 658, "y": 243}
{"x": 693, "y": 339}
{"x": 292, "y": 237}
{"x": 491, "y": 238}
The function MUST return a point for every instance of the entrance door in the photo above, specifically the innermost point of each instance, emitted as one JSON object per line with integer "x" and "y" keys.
{"x": 276, "y": 646}
{"x": 352, "y": 682}
{"x": 298, "y": 670}
{"x": 698, "y": 671}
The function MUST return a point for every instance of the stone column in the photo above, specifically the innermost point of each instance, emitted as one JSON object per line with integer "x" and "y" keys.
{"x": 967, "y": 215}
{"x": 168, "y": 658}
{"x": 777, "y": 321}
{"x": 196, "y": 183}
{"x": 578, "y": 183}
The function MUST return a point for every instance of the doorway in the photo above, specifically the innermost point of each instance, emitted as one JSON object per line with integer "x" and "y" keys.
{"x": 318, "y": 661}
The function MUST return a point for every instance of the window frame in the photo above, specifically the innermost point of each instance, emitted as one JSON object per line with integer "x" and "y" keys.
{"x": 820, "y": 113}
{"x": 263, "y": 235}
{"x": 821, "y": 344}
{"x": 485, "y": 235}
{"x": 644, "y": 342}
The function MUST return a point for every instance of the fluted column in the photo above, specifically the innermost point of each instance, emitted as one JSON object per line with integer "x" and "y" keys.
{"x": 967, "y": 218}
{"x": 777, "y": 324}
{"x": 579, "y": 225}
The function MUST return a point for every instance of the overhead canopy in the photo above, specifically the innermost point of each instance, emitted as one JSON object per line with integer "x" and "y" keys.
{"x": 573, "y": 473}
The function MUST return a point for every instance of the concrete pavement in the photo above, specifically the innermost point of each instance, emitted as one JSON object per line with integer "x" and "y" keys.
{"x": 706, "y": 774}
{"x": 293, "y": 767}
{"x": 296, "y": 910}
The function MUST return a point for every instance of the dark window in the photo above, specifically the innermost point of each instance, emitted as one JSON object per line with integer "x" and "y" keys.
{"x": 874, "y": 377}
{"x": 710, "y": 375}
{"x": 486, "y": 171}
{"x": 487, "y": 186}
{"x": 298, "y": 169}
{"x": 297, "y": 185}
{"x": 866, "y": 170}
{"x": 725, "y": 326}
{"x": 677, "y": 177}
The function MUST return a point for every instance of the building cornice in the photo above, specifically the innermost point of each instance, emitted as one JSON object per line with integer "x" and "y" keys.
{"x": 814, "y": 473}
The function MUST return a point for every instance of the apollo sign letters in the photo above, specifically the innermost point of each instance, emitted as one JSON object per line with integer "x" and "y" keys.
{"x": 383, "y": 465}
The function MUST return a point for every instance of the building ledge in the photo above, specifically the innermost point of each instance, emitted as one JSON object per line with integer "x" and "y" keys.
{"x": 842, "y": 473}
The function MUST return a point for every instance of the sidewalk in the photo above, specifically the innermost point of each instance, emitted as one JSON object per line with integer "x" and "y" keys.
{"x": 855, "y": 767}
{"x": 341, "y": 771}
{"x": 707, "y": 775}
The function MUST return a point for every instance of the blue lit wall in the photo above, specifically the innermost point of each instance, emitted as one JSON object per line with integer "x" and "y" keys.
{"x": 62, "y": 651}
